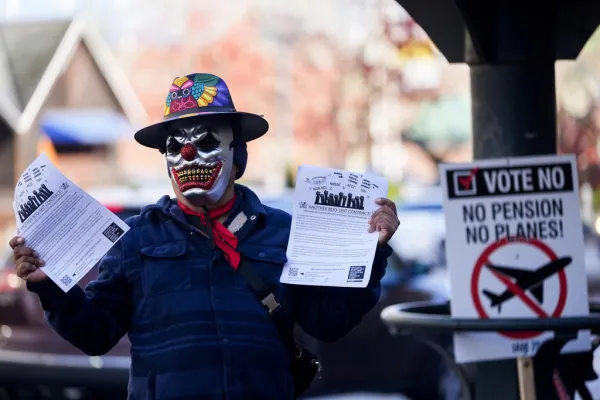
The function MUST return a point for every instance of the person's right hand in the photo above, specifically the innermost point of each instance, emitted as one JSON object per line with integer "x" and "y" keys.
{"x": 27, "y": 261}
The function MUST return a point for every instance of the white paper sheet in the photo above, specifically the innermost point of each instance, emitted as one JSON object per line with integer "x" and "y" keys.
{"x": 69, "y": 229}
{"x": 329, "y": 242}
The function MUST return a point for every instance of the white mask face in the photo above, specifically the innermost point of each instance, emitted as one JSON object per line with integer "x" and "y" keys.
{"x": 200, "y": 159}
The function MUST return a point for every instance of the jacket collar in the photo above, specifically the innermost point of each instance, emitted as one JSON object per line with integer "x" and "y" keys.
{"x": 249, "y": 202}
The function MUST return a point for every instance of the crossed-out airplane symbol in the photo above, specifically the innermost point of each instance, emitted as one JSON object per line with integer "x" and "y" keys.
{"x": 526, "y": 280}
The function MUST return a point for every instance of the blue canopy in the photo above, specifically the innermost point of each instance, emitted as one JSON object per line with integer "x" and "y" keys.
{"x": 84, "y": 127}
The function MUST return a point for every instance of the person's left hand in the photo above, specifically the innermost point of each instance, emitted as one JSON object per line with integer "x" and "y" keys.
{"x": 384, "y": 220}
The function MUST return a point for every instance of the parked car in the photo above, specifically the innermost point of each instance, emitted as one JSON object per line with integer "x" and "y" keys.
{"x": 36, "y": 363}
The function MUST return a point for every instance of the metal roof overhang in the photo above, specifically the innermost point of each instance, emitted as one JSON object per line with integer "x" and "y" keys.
{"x": 467, "y": 30}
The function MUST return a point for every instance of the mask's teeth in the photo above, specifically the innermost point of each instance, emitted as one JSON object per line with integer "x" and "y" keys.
{"x": 197, "y": 174}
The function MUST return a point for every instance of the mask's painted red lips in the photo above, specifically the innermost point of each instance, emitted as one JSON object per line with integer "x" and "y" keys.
{"x": 197, "y": 176}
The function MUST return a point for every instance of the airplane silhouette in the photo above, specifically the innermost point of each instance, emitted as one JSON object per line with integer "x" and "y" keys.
{"x": 532, "y": 281}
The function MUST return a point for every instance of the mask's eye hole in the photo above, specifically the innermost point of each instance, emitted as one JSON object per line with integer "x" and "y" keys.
{"x": 173, "y": 146}
{"x": 208, "y": 143}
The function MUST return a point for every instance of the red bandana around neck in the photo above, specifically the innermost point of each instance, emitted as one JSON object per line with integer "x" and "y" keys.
{"x": 223, "y": 238}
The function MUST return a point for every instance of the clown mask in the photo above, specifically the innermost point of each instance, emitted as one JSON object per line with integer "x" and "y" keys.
{"x": 200, "y": 159}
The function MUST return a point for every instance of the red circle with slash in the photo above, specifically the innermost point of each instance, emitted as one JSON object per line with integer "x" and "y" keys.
{"x": 484, "y": 259}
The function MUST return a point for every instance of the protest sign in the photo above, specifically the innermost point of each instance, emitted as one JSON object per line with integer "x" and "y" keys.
{"x": 514, "y": 248}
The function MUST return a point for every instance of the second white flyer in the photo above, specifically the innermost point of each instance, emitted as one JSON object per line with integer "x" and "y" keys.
{"x": 329, "y": 241}
{"x": 69, "y": 229}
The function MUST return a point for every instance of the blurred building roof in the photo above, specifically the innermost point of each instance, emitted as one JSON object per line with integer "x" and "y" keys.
{"x": 27, "y": 49}
{"x": 33, "y": 55}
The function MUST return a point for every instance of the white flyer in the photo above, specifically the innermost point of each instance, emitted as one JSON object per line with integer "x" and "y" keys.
{"x": 329, "y": 241}
{"x": 70, "y": 230}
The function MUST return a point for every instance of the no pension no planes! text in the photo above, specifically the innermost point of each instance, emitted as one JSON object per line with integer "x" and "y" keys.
{"x": 535, "y": 219}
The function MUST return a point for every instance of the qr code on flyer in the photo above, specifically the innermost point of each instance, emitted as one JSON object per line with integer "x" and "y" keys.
{"x": 113, "y": 232}
{"x": 66, "y": 280}
{"x": 293, "y": 272}
{"x": 356, "y": 273}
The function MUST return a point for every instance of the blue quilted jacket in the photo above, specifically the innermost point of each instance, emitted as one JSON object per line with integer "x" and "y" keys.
{"x": 196, "y": 329}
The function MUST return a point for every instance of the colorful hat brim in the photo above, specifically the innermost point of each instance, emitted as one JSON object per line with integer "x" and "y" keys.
{"x": 252, "y": 127}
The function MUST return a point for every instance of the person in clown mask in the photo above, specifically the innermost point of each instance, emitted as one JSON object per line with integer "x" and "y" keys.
{"x": 195, "y": 282}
